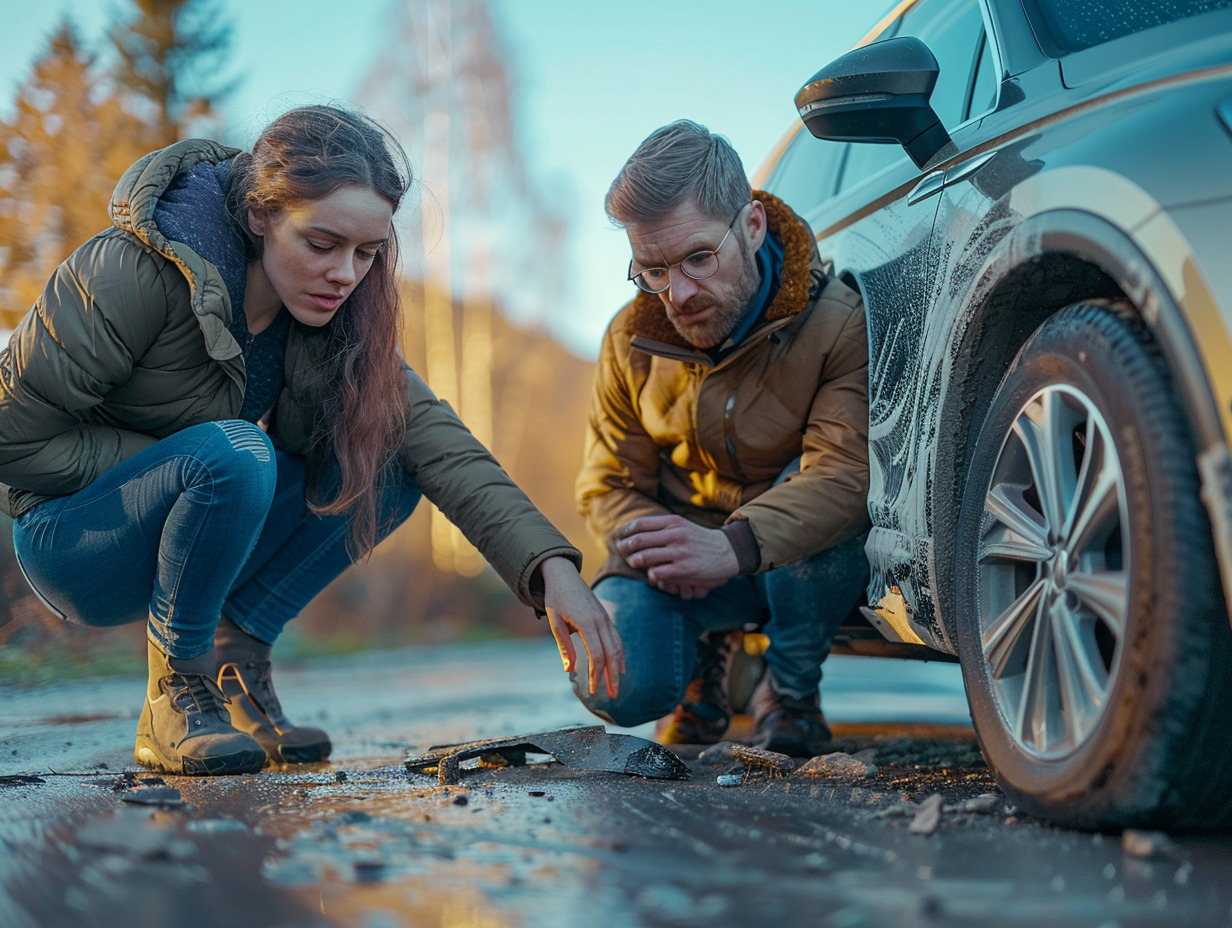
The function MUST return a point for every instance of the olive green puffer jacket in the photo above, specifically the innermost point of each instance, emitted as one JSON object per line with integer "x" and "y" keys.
{"x": 129, "y": 343}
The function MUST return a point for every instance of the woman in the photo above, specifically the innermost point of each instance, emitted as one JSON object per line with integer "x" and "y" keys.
{"x": 235, "y": 289}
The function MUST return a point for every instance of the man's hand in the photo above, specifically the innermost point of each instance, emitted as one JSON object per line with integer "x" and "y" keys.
{"x": 572, "y": 607}
{"x": 679, "y": 556}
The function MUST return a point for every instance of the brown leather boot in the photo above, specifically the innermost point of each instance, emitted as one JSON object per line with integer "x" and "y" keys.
{"x": 244, "y": 678}
{"x": 787, "y": 724}
{"x": 704, "y": 714}
{"x": 184, "y": 726}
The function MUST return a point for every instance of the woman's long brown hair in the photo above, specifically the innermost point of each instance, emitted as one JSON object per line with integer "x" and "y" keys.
{"x": 360, "y": 392}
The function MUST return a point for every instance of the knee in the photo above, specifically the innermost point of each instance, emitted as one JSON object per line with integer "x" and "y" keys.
{"x": 247, "y": 440}
{"x": 247, "y": 447}
{"x": 240, "y": 456}
{"x": 639, "y": 700}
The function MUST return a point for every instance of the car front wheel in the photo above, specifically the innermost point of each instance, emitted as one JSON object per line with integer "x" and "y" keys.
{"x": 1092, "y": 630}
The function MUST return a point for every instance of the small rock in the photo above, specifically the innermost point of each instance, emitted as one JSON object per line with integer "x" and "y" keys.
{"x": 718, "y": 755}
{"x": 902, "y": 810}
{"x": 928, "y": 817}
{"x": 983, "y": 804}
{"x": 1145, "y": 843}
{"x": 728, "y": 779}
{"x": 460, "y": 800}
{"x": 164, "y": 796}
{"x": 837, "y": 764}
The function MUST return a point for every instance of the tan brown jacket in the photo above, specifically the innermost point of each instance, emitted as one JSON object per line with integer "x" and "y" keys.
{"x": 672, "y": 432}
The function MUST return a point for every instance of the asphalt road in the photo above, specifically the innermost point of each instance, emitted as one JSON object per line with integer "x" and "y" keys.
{"x": 921, "y": 838}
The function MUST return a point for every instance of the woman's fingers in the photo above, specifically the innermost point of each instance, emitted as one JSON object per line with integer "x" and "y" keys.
{"x": 564, "y": 641}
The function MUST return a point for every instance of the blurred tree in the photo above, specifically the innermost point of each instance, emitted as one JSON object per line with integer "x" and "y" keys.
{"x": 172, "y": 56}
{"x": 77, "y": 126}
{"x": 60, "y": 154}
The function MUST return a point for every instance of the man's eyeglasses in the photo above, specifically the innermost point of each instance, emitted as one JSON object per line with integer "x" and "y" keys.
{"x": 698, "y": 266}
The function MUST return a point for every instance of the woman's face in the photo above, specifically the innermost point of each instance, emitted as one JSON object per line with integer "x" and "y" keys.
{"x": 315, "y": 254}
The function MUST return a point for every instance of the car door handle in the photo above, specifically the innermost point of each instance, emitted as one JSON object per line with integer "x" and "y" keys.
{"x": 966, "y": 168}
{"x": 935, "y": 181}
{"x": 929, "y": 186}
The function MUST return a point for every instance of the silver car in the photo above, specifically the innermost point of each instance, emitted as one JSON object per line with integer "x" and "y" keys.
{"x": 1042, "y": 238}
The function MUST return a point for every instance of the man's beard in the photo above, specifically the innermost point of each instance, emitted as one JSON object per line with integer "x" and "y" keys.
{"x": 729, "y": 306}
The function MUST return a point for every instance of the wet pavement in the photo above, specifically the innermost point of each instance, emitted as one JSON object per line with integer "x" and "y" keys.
{"x": 907, "y": 830}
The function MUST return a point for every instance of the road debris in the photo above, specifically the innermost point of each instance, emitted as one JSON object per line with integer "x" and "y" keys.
{"x": 761, "y": 764}
{"x": 928, "y": 817}
{"x": 837, "y": 764}
{"x": 162, "y": 796}
{"x": 983, "y": 804}
{"x": 718, "y": 755}
{"x": 21, "y": 779}
{"x": 589, "y": 748}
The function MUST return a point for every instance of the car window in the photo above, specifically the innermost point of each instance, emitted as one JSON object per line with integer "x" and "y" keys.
{"x": 984, "y": 85}
{"x": 1065, "y": 26}
{"x": 806, "y": 173}
{"x": 953, "y": 31}
{"x": 864, "y": 159}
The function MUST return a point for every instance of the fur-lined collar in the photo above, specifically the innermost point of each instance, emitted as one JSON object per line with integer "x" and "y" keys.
{"x": 649, "y": 319}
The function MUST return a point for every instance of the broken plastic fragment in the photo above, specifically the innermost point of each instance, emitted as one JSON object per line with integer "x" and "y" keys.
{"x": 590, "y": 748}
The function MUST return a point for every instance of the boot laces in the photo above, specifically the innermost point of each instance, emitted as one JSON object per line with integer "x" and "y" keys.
{"x": 259, "y": 688}
{"x": 197, "y": 696}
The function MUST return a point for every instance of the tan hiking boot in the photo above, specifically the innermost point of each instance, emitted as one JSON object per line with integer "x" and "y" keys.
{"x": 245, "y": 681}
{"x": 184, "y": 726}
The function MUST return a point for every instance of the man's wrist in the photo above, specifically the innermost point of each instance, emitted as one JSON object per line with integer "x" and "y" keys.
{"x": 748, "y": 553}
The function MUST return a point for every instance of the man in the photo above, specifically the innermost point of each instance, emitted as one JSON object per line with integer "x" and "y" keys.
{"x": 726, "y": 462}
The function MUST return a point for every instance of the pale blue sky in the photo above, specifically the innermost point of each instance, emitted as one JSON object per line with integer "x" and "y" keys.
{"x": 592, "y": 79}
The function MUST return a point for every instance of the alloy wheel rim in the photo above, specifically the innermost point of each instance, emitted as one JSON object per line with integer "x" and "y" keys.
{"x": 1053, "y": 571}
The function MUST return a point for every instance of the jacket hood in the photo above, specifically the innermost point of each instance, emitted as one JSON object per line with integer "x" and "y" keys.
{"x": 649, "y": 319}
{"x": 132, "y": 210}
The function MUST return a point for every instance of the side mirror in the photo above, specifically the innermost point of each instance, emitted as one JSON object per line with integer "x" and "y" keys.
{"x": 878, "y": 93}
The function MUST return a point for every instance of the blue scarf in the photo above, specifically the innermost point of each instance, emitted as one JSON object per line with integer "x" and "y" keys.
{"x": 769, "y": 259}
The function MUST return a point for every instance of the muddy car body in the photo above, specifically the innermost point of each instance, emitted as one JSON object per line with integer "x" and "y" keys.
{"x": 1042, "y": 242}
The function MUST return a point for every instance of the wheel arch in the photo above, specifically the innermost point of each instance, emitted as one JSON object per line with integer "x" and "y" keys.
{"x": 1046, "y": 263}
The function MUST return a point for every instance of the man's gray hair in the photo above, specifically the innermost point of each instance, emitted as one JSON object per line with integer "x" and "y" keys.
{"x": 679, "y": 162}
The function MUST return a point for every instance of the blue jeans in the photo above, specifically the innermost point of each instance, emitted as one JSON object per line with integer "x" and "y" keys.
{"x": 800, "y": 607}
{"x": 207, "y": 521}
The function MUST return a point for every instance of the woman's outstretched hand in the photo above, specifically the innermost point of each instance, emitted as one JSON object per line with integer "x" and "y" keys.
{"x": 572, "y": 607}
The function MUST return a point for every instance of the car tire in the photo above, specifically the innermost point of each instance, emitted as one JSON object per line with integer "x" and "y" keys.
{"x": 1092, "y": 631}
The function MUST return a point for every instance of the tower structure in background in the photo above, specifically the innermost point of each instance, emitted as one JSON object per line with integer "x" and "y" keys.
{"x": 481, "y": 236}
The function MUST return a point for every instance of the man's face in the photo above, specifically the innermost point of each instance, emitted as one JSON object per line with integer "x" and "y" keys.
{"x": 704, "y": 312}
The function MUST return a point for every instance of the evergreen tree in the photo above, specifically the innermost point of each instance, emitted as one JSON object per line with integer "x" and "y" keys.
{"x": 173, "y": 57}
{"x": 60, "y": 155}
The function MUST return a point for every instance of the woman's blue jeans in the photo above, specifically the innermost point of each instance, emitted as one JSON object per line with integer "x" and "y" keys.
{"x": 799, "y": 607}
{"x": 207, "y": 521}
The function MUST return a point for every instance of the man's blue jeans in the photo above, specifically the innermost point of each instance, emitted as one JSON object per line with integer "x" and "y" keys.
{"x": 207, "y": 521}
{"x": 800, "y": 607}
